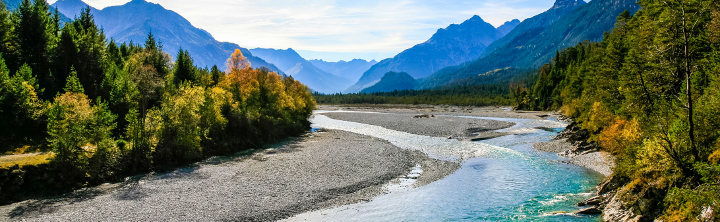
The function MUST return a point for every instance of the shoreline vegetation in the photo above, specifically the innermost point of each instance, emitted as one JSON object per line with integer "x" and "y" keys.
{"x": 648, "y": 94}
{"x": 85, "y": 111}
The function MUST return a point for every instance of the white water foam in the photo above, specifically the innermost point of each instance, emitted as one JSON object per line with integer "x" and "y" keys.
{"x": 406, "y": 182}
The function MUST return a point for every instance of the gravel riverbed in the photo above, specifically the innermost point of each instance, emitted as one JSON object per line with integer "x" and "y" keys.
{"x": 320, "y": 170}
{"x": 427, "y": 124}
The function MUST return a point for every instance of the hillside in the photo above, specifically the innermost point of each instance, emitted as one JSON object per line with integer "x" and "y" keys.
{"x": 507, "y": 27}
{"x": 294, "y": 65}
{"x": 450, "y": 46}
{"x": 392, "y": 81}
{"x": 536, "y": 40}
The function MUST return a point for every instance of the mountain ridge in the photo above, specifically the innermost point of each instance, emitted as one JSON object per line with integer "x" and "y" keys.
{"x": 534, "y": 43}
{"x": 351, "y": 70}
{"x": 72, "y": 8}
{"x": 453, "y": 45}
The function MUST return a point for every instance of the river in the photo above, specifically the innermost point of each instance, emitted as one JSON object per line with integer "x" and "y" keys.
{"x": 501, "y": 179}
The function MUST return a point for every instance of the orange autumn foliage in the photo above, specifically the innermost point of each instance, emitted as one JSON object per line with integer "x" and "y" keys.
{"x": 620, "y": 134}
{"x": 237, "y": 61}
{"x": 715, "y": 156}
{"x": 261, "y": 93}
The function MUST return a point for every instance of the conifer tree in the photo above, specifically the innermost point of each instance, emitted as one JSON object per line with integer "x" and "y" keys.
{"x": 216, "y": 74}
{"x": 184, "y": 68}
{"x": 34, "y": 35}
{"x": 72, "y": 83}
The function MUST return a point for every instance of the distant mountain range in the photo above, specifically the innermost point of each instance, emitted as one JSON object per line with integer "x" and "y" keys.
{"x": 305, "y": 71}
{"x": 133, "y": 21}
{"x": 351, "y": 70}
{"x": 535, "y": 41}
{"x": 456, "y": 44}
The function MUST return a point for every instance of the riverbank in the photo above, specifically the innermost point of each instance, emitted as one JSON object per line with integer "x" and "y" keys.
{"x": 320, "y": 170}
{"x": 598, "y": 161}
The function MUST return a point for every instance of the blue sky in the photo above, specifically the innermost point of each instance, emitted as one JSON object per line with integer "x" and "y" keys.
{"x": 338, "y": 29}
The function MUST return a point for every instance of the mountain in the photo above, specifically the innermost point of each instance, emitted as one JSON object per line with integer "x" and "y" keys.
{"x": 392, "y": 81}
{"x": 12, "y": 4}
{"x": 506, "y": 28}
{"x": 453, "y": 45}
{"x": 351, "y": 70}
{"x": 72, "y": 8}
{"x": 302, "y": 70}
{"x": 133, "y": 21}
{"x": 535, "y": 41}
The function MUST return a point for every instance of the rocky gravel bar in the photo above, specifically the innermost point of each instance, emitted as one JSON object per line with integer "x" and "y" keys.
{"x": 320, "y": 170}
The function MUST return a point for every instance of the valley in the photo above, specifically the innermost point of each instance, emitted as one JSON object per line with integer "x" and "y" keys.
{"x": 552, "y": 110}
{"x": 399, "y": 163}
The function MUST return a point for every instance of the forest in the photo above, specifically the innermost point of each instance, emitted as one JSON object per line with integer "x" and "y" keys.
{"x": 650, "y": 94}
{"x": 86, "y": 110}
{"x": 478, "y": 95}
{"x": 492, "y": 88}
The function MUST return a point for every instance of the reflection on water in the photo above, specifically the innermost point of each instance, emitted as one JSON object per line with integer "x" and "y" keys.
{"x": 537, "y": 187}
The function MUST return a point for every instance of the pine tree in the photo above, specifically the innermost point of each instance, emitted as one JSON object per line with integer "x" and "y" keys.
{"x": 72, "y": 83}
{"x": 33, "y": 33}
{"x": 216, "y": 74}
{"x": 184, "y": 68}
{"x": 90, "y": 42}
{"x": 8, "y": 46}
{"x": 157, "y": 58}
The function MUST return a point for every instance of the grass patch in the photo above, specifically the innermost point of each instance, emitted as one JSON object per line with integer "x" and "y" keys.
{"x": 29, "y": 159}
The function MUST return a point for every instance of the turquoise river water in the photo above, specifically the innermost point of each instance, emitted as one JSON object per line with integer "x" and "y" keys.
{"x": 515, "y": 183}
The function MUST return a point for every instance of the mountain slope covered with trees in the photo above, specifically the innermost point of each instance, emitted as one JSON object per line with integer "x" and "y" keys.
{"x": 535, "y": 41}
{"x": 650, "y": 94}
{"x": 392, "y": 81}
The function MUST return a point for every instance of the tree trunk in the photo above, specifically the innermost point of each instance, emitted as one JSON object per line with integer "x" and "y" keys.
{"x": 688, "y": 85}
